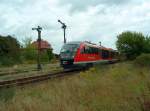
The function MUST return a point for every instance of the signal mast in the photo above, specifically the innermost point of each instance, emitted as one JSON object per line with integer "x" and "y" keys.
{"x": 64, "y": 29}
{"x": 38, "y": 29}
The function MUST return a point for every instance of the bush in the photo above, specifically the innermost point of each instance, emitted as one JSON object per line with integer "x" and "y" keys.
{"x": 44, "y": 56}
{"x": 143, "y": 60}
{"x": 132, "y": 44}
{"x": 7, "y": 61}
{"x": 9, "y": 50}
{"x": 29, "y": 53}
{"x": 50, "y": 54}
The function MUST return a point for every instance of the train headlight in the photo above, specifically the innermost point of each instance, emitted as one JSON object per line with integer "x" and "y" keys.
{"x": 73, "y": 56}
{"x": 65, "y": 62}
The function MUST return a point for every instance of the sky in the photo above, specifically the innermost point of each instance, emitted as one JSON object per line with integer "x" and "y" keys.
{"x": 86, "y": 20}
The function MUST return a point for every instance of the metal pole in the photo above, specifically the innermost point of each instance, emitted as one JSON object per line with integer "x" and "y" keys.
{"x": 64, "y": 35}
{"x": 39, "y": 50}
{"x": 39, "y": 47}
{"x": 64, "y": 29}
{"x": 100, "y": 43}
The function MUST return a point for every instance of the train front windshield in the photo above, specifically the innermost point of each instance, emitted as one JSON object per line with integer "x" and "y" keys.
{"x": 68, "y": 51}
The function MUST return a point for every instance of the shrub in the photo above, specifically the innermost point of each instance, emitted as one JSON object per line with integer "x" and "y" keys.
{"x": 9, "y": 50}
{"x": 133, "y": 44}
{"x": 143, "y": 60}
{"x": 50, "y": 54}
{"x": 30, "y": 52}
{"x": 44, "y": 56}
{"x": 7, "y": 61}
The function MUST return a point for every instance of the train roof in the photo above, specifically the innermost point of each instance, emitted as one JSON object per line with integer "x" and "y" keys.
{"x": 91, "y": 44}
{"x": 74, "y": 42}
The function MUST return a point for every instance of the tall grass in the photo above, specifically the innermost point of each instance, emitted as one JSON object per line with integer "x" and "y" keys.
{"x": 118, "y": 87}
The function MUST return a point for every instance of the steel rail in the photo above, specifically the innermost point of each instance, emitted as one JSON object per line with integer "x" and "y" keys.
{"x": 16, "y": 72}
{"x": 33, "y": 79}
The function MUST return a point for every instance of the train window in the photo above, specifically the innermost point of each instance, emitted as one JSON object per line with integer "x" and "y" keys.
{"x": 112, "y": 54}
{"x": 100, "y": 52}
{"x": 82, "y": 50}
{"x": 105, "y": 54}
{"x": 85, "y": 50}
{"x": 89, "y": 50}
{"x": 69, "y": 48}
{"x": 94, "y": 50}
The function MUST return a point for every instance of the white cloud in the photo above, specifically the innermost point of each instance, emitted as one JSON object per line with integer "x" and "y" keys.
{"x": 99, "y": 21}
{"x": 78, "y": 5}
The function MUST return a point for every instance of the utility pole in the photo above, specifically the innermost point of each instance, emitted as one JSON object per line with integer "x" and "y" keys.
{"x": 64, "y": 29}
{"x": 38, "y": 29}
{"x": 100, "y": 43}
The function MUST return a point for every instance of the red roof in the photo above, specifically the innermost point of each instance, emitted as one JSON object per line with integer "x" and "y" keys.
{"x": 44, "y": 44}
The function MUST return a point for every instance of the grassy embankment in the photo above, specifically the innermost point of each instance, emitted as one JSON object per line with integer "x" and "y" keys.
{"x": 117, "y": 87}
{"x": 25, "y": 70}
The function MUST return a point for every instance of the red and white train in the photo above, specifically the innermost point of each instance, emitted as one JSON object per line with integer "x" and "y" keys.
{"x": 85, "y": 54}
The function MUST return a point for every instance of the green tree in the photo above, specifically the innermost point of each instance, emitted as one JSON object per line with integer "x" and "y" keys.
{"x": 9, "y": 50}
{"x": 50, "y": 54}
{"x": 47, "y": 55}
{"x": 131, "y": 44}
{"x": 29, "y": 52}
{"x": 147, "y": 45}
{"x": 27, "y": 42}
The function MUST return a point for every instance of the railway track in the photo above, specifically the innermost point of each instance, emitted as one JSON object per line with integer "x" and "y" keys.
{"x": 11, "y": 71}
{"x": 16, "y": 72}
{"x": 33, "y": 79}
